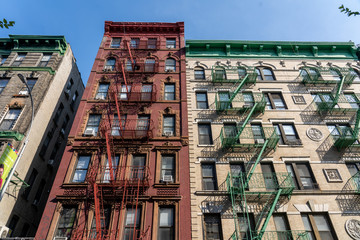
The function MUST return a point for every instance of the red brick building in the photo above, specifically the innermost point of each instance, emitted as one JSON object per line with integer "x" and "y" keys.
{"x": 143, "y": 193}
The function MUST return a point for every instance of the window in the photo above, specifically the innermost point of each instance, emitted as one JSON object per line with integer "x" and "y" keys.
{"x": 125, "y": 92}
{"x": 146, "y": 92}
{"x": 10, "y": 118}
{"x": 335, "y": 74}
{"x": 199, "y": 73}
{"x": 212, "y": 224}
{"x": 152, "y": 43}
{"x": 337, "y": 130}
{"x": 45, "y": 145}
{"x": 248, "y": 99}
{"x": 257, "y": 131}
{"x": 167, "y": 168}
{"x": 170, "y": 65}
{"x": 110, "y": 64}
{"x": 25, "y": 230}
{"x": 104, "y": 221}
{"x": 12, "y": 225}
{"x": 58, "y": 112}
{"x": 238, "y": 174}
{"x": 171, "y": 43}
{"x": 66, "y": 222}
{"x": 18, "y": 60}
{"x": 166, "y": 223}
{"x": 115, "y": 43}
{"x": 353, "y": 168}
{"x": 132, "y": 223}
{"x": 287, "y": 134}
{"x": 93, "y": 123}
{"x": 318, "y": 226}
{"x": 230, "y": 130}
{"x": 3, "y": 59}
{"x": 115, "y": 164}
{"x": 102, "y": 91}
{"x": 3, "y": 83}
{"x": 247, "y": 225}
{"x": 241, "y": 72}
{"x": 269, "y": 176}
{"x": 302, "y": 176}
{"x": 264, "y": 74}
{"x": 138, "y": 166}
{"x": 169, "y": 92}
{"x": 129, "y": 65}
{"x": 220, "y": 73}
{"x": 352, "y": 99}
{"x": 205, "y": 136}
{"x": 45, "y": 60}
{"x": 69, "y": 85}
{"x": 142, "y": 125}
{"x": 30, "y": 181}
{"x": 135, "y": 42}
{"x": 201, "y": 100}
{"x": 224, "y": 100}
{"x": 275, "y": 101}
{"x": 282, "y": 226}
{"x": 309, "y": 74}
{"x": 31, "y": 83}
{"x": 209, "y": 176}
{"x": 169, "y": 125}
{"x": 81, "y": 168}
{"x": 116, "y": 129}
{"x": 39, "y": 192}
{"x": 149, "y": 65}
{"x": 354, "y": 72}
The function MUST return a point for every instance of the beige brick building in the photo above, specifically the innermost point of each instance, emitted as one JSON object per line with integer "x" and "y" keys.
{"x": 48, "y": 64}
{"x": 273, "y": 139}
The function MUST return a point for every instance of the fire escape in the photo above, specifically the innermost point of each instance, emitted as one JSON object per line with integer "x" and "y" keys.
{"x": 120, "y": 181}
{"x": 248, "y": 190}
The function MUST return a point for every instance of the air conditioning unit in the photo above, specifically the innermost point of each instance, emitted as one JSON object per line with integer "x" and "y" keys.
{"x": 4, "y": 231}
{"x": 24, "y": 92}
{"x": 67, "y": 92}
{"x": 169, "y": 70}
{"x": 89, "y": 132}
{"x": 60, "y": 238}
{"x": 51, "y": 162}
{"x": 108, "y": 68}
{"x": 168, "y": 133}
{"x": 101, "y": 97}
{"x": 259, "y": 141}
{"x": 167, "y": 179}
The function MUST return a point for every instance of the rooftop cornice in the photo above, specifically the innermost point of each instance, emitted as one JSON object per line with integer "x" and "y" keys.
{"x": 123, "y": 28}
{"x": 34, "y": 43}
{"x": 270, "y": 49}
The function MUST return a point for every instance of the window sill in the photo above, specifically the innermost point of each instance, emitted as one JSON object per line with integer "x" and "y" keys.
{"x": 206, "y": 145}
{"x": 71, "y": 185}
{"x": 292, "y": 146}
{"x": 164, "y": 185}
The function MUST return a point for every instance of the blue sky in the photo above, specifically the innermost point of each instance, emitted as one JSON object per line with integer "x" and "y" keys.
{"x": 82, "y": 22}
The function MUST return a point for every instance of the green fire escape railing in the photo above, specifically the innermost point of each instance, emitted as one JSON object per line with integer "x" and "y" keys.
{"x": 347, "y": 136}
{"x": 354, "y": 183}
{"x": 233, "y": 74}
{"x": 240, "y": 102}
{"x": 321, "y": 75}
{"x": 242, "y": 187}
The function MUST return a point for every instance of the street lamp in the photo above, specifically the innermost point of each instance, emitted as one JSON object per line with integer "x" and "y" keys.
{"x": 11, "y": 173}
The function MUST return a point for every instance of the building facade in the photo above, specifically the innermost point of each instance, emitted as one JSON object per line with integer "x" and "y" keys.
{"x": 273, "y": 142}
{"x": 48, "y": 65}
{"x": 133, "y": 112}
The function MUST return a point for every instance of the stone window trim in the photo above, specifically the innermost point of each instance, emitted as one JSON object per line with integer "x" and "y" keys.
{"x": 57, "y": 214}
{"x": 73, "y": 163}
{"x": 95, "y": 110}
{"x": 6, "y": 110}
{"x": 158, "y": 203}
{"x": 168, "y": 112}
{"x": 167, "y": 150}
{"x": 170, "y": 80}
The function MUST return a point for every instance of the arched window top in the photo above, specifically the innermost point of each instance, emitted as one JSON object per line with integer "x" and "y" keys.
{"x": 242, "y": 72}
{"x": 265, "y": 73}
{"x": 170, "y": 65}
{"x": 335, "y": 74}
{"x": 110, "y": 64}
{"x": 199, "y": 73}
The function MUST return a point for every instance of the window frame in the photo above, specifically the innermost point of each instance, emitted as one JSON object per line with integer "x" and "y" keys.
{"x": 100, "y": 93}
{"x": 90, "y": 125}
{"x": 171, "y": 127}
{"x": 3, "y": 59}
{"x": 152, "y": 43}
{"x": 209, "y": 135}
{"x": 199, "y": 102}
{"x": 134, "y": 43}
{"x": 137, "y": 220}
{"x": 270, "y": 103}
{"x": 74, "y": 216}
{"x": 166, "y": 93}
{"x": 109, "y": 66}
{"x": 3, "y": 83}
{"x": 297, "y": 177}
{"x": 170, "y": 65}
{"x": 198, "y": 76}
{"x": 208, "y": 221}
{"x": 170, "y": 43}
{"x": 262, "y": 76}
{"x": 173, "y": 169}
{"x": 45, "y": 59}
{"x": 171, "y": 227}
{"x": 315, "y": 231}
{"x": 355, "y": 164}
{"x": 76, "y": 169}
{"x": 283, "y": 137}
{"x": 18, "y": 59}
{"x": 213, "y": 178}
{"x": 7, "y": 118}
{"x": 114, "y": 43}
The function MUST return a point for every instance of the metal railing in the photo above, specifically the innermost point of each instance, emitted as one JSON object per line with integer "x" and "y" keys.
{"x": 272, "y": 235}
{"x": 240, "y": 103}
{"x": 131, "y": 174}
{"x": 128, "y": 129}
{"x": 248, "y": 138}
{"x": 232, "y": 74}
{"x": 312, "y": 75}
